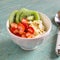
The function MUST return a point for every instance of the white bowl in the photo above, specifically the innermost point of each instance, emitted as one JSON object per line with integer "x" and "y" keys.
{"x": 31, "y": 43}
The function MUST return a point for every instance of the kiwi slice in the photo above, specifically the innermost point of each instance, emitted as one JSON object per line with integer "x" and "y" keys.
{"x": 12, "y": 16}
{"x": 17, "y": 17}
{"x": 21, "y": 14}
{"x": 24, "y": 13}
{"x": 29, "y": 14}
{"x": 35, "y": 14}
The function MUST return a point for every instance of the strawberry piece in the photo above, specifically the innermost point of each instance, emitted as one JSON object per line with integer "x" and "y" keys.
{"x": 26, "y": 25}
{"x": 30, "y": 29}
{"x": 13, "y": 30}
{"x": 29, "y": 35}
{"x": 24, "y": 20}
{"x": 21, "y": 28}
{"x": 13, "y": 25}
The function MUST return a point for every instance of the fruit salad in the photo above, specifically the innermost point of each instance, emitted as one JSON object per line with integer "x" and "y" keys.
{"x": 26, "y": 23}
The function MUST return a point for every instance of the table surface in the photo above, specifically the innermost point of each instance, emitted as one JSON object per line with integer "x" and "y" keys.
{"x": 9, "y": 50}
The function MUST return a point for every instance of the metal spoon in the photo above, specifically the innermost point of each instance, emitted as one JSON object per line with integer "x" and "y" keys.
{"x": 57, "y": 20}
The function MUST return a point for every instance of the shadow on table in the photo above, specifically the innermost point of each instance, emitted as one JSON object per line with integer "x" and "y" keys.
{"x": 9, "y": 50}
{"x": 53, "y": 53}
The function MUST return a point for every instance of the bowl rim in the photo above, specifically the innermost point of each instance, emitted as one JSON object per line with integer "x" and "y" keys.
{"x": 7, "y": 26}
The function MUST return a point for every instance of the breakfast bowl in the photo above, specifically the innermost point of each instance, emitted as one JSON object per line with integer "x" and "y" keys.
{"x": 31, "y": 43}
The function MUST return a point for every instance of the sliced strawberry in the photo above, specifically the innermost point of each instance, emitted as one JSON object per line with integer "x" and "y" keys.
{"x": 13, "y": 30}
{"x": 17, "y": 34}
{"x": 29, "y": 35}
{"x": 26, "y": 25}
{"x": 31, "y": 30}
{"x": 21, "y": 28}
{"x": 13, "y": 25}
{"x": 24, "y": 20}
{"x": 23, "y": 36}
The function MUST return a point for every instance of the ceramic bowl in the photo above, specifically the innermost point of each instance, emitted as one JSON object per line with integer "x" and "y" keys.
{"x": 31, "y": 43}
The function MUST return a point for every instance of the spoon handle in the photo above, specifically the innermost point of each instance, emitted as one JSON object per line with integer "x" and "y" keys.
{"x": 58, "y": 43}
